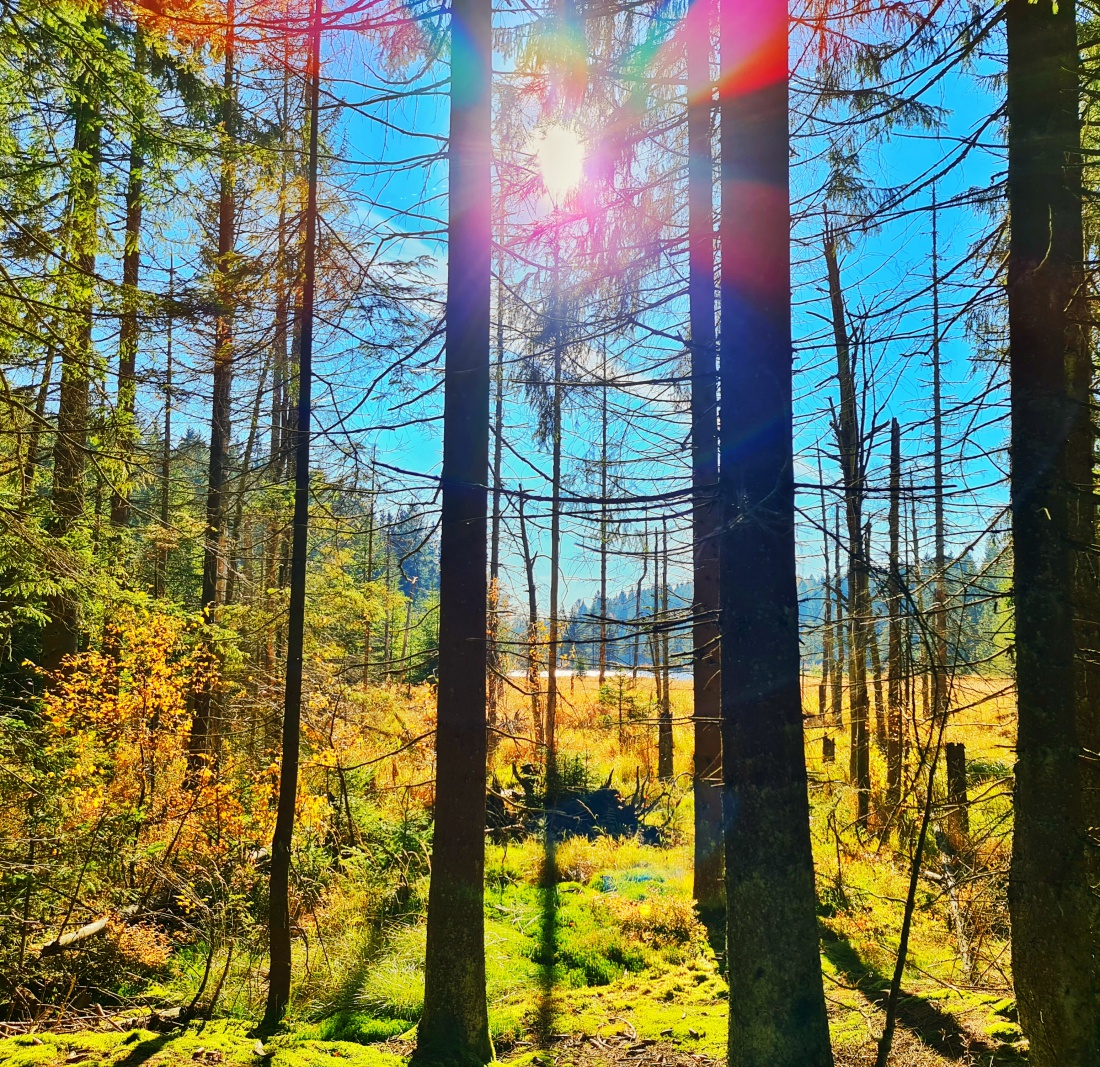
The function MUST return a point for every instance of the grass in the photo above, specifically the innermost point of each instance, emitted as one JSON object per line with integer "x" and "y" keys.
{"x": 614, "y": 945}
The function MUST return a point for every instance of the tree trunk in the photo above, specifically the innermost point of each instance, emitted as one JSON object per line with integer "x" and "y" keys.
{"x": 939, "y": 605}
{"x": 1055, "y": 914}
{"x": 603, "y": 526}
{"x": 850, "y": 449}
{"x": 533, "y": 681}
{"x": 894, "y": 667}
{"x": 455, "y": 1024}
{"x": 837, "y": 702}
{"x": 709, "y": 890}
{"x": 160, "y": 580}
{"x": 128, "y": 324}
{"x": 201, "y": 737}
{"x": 664, "y": 722}
{"x": 61, "y": 632}
{"x": 776, "y": 1000}
{"x": 279, "y": 918}
{"x": 555, "y": 546}
{"x": 638, "y": 612}
{"x": 496, "y": 681}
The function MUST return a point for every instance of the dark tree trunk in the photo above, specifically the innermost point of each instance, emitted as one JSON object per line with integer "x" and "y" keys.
{"x": 128, "y": 324}
{"x": 1055, "y": 914}
{"x": 496, "y": 659}
{"x": 60, "y": 634}
{"x": 850, "y": 450}
{"x": 201, "y": 738}
{"x": 638, "y": 612}
{"x": 279, "y": 918}
{"x": 939, "y": 604}
{"x": 160, "y": 578}
{"x": 455, "y": 1026}
{"x": 533, "y": 686}
{"x": 894, "y": 668}
{"x": 776, "y": 1000}
{"x": 709, "y": 890}
{"x": 665, "y": 742}
{"x": 836, "y": 703}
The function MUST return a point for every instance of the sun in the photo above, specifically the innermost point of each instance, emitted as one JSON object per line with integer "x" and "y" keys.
{"x": 560, "y": 154}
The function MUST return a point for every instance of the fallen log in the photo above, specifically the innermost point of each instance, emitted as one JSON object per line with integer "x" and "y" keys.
{"x": 68, "y": 941}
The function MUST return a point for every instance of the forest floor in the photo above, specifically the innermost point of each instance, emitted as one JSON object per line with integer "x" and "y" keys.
{"x": 633, "y": 980}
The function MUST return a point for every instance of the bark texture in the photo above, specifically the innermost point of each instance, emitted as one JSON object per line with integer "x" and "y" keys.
{"x": 1055, "y": 914}
{"x": 777, "y": 1005}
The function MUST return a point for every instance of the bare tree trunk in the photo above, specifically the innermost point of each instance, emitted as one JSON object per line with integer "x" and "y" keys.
{"x": 638, "y": 611}
{"x": 709, "y": 889}
{"x": 827, "y": 608}
{"x": 128, "y": 324}
{"x": 894, "y": 667}
{"x": 1055, "y": 912}
{"x": 555, "y": 551}
{"x": 849, "y": 447}
{"x": 201, "y": 737}
{"x": 776, "y": 1000}
{"x": 454, "y": 1025}
{"x": 81, "y": 235}
{"x": 160, "y": 580}
{"x": 603, "y": 526}
{"x": 495, "y": 658}
{"x": 837, "y": 702}
{"x": 279, "y": 918}
{"x": 533, "y": 680}
{"x": 664, "y": 721}
{"x": 939, "y": 605}
{"x": 876, "y": 658}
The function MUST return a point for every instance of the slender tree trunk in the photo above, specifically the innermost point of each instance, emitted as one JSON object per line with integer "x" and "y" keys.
{"x": 1055, "y": 913}
{"x": 128, "y": 324}
{"x": 60, "y": 634}
{"x": 370, "y": 578}
{"x": 201, "y": 737}
{"x": 555, "y": 548}
{"x": 894, "y": 666}
{"x": 603, "y": 526}
{"x": 160, "y": 581}
{"x": 709, "y": 890}
{"x": 664, "y": 724}
{"x": 638, "y": 612}
{"x": 849, "y": 447}
{"x": 495, "y": 656}
{"x": 837, "y": 702}
{"x": 279, "y": 918}
{"x": 827, "y": 608}
{"x": 454, "y": 1025}
{"x": 533, "y": 681}
{"x": 776, "y": 1000}
{"x": 939, "y": 605}
{"x": 876, "y": 657}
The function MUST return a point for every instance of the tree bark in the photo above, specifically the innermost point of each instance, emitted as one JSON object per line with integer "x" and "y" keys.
{"x": 664, "y": 721}
{"x": 201, "y": 736}
{"x": 279, "y": 917}
{"x": 1055, "y": 914}
{"x": 128, "y": 324}
{"x": 776, "y": 1000}
{"x": 850, "y": 450}
{"x": 60, "y": 634}
{"x": 454, "y": 1026}
{"x": 709, "y": 890}
{"x": 894, "y": 666}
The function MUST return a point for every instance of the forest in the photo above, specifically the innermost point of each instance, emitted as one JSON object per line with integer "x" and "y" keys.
{"x": 560, "y": 533}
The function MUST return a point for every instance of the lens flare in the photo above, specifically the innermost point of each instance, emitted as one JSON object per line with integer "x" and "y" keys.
{"x": 560, "y": 154}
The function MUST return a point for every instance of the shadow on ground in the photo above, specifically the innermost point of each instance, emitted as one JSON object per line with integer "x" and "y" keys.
{"x": 939, "y": 1030}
